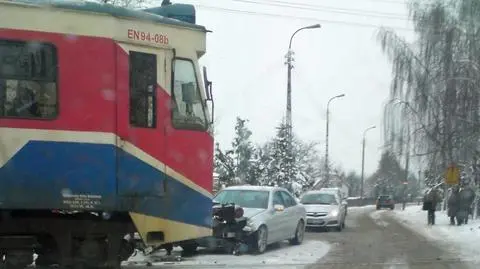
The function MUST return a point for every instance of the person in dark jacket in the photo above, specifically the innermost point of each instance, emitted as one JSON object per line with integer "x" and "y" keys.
{"x": 465, "y": 198}
{"x": 430, "y": 201}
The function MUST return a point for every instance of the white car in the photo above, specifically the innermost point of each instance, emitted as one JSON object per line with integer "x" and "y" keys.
{"x": 273, "y": 214}
{"x": 324, "y": 209}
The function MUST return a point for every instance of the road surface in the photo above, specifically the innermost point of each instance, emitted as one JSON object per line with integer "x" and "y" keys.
{"x": 382, "y": 243}
{"x": 366, "y": 243}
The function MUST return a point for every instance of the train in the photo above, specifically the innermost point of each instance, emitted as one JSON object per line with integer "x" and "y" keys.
{"x": 105, "y": 131}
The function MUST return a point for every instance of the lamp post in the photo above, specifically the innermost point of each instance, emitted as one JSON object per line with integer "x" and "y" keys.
{"x": 327, "y": 166}
{"x": 363, "y": 159}
{"x": 289, "y": 63}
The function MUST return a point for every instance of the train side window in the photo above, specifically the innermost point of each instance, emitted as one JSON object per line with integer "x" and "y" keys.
{"x": 188, "y": 110}
{"x": 143, "y": 89}
{"x": 28, "y": 80}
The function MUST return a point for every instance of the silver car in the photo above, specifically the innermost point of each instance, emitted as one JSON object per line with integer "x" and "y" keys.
{"x": 324, "y": 209}
{"x": 273, "y": 214}
{"x": 338, "y": 192}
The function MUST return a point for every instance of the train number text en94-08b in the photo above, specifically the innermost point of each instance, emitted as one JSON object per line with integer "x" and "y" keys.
{"x": 148, "y": 37}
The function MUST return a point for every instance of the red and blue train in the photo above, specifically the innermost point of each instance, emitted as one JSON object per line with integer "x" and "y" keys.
{"x": 105, "y": 131}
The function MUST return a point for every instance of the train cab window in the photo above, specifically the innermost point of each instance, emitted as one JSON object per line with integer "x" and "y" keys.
{"x": 143, "y": 85}
{"x": 28, "y": 80}
{"x": 188, "y": 111}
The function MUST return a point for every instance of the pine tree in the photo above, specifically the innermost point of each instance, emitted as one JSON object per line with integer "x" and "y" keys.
{"x": 243, "y": 150}
{"x": 224, "y": 166}
{"x": 284, "y": 169}
{"x": 389, "y": 176}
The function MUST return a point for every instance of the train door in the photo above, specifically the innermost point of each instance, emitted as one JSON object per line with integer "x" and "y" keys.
{"x": 141, "y": 134}
{"x": 189, "y": 144}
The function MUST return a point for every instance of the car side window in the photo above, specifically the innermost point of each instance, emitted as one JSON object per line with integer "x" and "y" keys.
{"x": 277, "y": 199}
{"x": 289, "y": 201}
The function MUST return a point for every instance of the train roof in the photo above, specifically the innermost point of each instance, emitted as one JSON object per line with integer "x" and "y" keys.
{"x": 182, "y": 15}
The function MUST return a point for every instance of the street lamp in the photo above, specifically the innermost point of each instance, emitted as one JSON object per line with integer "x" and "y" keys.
{"x": 363, "y": 159}
{"x": 289, "y": 63}
{"x": 327, "y": 166}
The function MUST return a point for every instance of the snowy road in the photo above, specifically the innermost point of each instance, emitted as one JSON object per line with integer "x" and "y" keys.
{"x": 373, "y": 239}
{"x": 277, "y": 256}
{"x": 376, "y": 240}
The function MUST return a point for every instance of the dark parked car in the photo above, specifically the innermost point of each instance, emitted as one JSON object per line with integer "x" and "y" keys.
{"x": 385, "y": 201}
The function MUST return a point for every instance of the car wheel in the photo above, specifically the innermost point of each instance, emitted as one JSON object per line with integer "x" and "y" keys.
{"x": 260, "y": 240}
{"x": 299, "y": 233}
{"x": 339, "y": 227}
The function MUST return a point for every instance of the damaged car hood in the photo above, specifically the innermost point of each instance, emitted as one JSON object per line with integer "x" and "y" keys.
{"x": 252, "y": 212}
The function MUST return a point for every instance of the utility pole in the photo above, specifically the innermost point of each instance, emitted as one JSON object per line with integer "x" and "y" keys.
{"x": 363, "y": 160}
{"x": 327, "y": 165}
{"x": 288, "y": 122}
{"x": 363, "y": 167}
{"x": 289, "y": 63}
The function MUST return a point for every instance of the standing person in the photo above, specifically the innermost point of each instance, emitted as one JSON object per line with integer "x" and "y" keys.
{"x": 430, "y": 205}
{"x": 453, "y": 205}
{"x": 466, "y": 197}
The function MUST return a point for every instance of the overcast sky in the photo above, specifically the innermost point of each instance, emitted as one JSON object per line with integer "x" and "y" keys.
{"x": 245, "y": 59}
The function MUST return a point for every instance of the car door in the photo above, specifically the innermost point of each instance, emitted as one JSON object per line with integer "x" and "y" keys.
{"x": 277, "y": 226}
{"x": 291, "y": 214}
{"x": 341, "y": 207}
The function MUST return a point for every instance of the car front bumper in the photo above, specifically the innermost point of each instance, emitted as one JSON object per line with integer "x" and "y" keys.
{"x": 325, "y": 221}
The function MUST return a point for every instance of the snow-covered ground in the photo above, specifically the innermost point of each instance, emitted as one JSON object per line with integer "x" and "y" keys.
{"x": 463, "y": 241}
{"x": 360, "y": 208}
{"x": 376, "y": 217}
{"x": 277, "y": 256}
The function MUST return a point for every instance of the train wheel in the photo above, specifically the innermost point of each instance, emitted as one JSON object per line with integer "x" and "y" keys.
{"x": 18, "y": 258}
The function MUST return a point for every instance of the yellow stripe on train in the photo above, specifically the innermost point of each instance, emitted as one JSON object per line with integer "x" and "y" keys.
{"x": 173, "y": 231}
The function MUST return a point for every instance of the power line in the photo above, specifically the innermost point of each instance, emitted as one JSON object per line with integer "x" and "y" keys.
{"x": 255, "y": 13}
{"x": 310, "y": 7}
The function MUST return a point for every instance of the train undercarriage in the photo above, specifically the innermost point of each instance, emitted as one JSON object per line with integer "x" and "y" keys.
{"x": 65, "y": 239}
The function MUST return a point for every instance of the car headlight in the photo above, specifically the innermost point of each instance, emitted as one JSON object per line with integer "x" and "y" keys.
{"x": 249, "y": 226}
{"x": 334, "y": 213}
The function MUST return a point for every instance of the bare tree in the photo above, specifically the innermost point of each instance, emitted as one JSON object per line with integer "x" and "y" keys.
{"x": 435, "y": 79}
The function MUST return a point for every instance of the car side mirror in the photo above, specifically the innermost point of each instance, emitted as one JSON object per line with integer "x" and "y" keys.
{"x": 279, "y": 208}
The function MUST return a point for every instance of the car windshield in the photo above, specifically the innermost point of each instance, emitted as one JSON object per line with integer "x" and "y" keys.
{"x": 243, "y": 198}
{"x": 384, "y": 197}
{"x": 319, "y": 199}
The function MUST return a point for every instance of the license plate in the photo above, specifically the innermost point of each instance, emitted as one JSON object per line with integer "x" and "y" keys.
{"x": 315, "y": 221}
